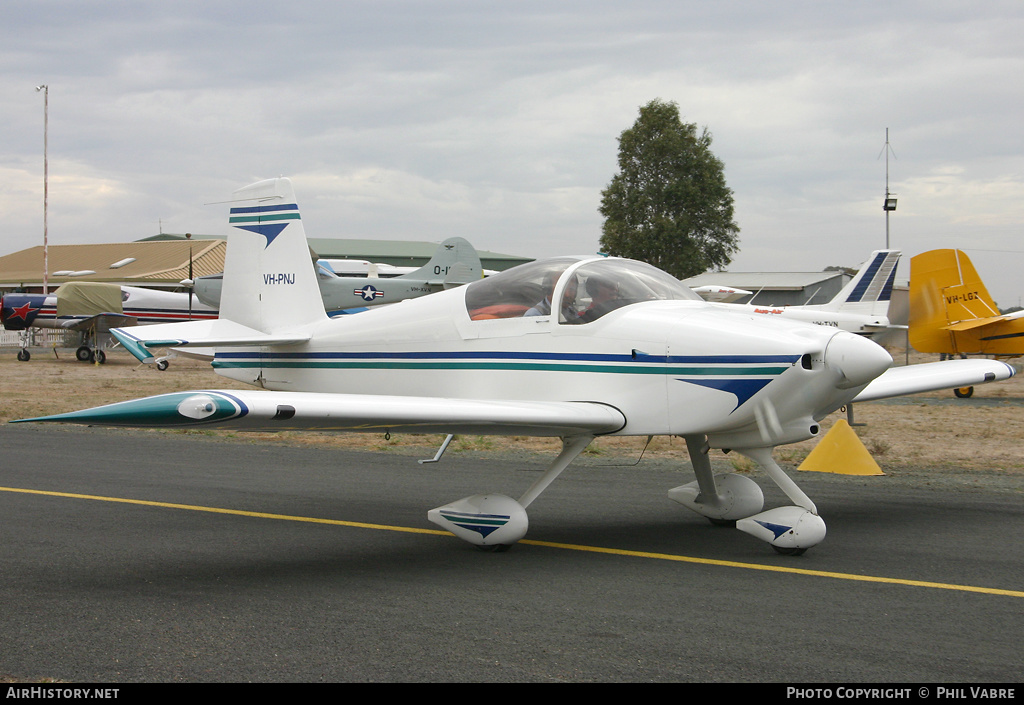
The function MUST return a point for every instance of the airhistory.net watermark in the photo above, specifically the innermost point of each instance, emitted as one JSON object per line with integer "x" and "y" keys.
{"x": 60, "y": 693}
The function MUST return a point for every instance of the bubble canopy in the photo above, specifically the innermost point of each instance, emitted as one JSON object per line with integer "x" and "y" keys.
{"x": 587, "y": 288}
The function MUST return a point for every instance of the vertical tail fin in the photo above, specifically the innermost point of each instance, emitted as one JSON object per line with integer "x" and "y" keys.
{"x": 945, "y": 289}
{"x": 870, "y": 291}
{"x": 454, "y": 263}
{"x": 269, "y": 277}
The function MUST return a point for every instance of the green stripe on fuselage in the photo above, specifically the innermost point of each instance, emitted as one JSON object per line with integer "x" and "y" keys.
{"x": 533, "y": 366}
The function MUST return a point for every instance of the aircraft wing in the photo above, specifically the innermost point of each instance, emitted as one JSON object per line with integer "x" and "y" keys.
{"x": 101, "y": 322}
{"x": 933, "y": 376}
{"x": 139, "y": 340}
{"x": 260, "y": 410}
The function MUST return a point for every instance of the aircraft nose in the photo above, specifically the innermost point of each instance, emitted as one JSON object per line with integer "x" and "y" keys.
{"x": 856, "y": 359}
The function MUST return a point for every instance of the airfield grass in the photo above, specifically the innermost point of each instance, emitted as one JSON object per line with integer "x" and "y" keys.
{"x": 934, "y": 430}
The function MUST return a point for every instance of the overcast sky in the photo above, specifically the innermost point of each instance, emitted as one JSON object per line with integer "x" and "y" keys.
{"x": 498, "y": 121}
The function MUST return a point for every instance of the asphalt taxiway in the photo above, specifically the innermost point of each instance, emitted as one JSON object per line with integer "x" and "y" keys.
{"x": 151, "y": 557}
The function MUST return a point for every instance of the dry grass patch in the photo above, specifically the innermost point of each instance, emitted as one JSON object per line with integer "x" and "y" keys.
{"x": 932, "y": 430}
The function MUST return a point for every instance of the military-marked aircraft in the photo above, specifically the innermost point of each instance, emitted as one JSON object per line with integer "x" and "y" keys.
{"x": 93, "y": 308}
{"x": 454, "y": 263}
{"x": 651, "y": 358}
{"x": 861, "y": 307}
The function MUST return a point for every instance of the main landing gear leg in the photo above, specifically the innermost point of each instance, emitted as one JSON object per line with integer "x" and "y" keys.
{"x": 23, "y": 338}
{"x": 722, "y": 498}
{"x": 494, "y": 521}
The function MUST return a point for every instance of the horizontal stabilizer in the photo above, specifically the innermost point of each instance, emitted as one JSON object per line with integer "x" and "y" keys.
{"x": 975, "y": 323}
{"x": 139, "y": 340}
{"x": 284, "y": 411}
{"x": 934, "y": 376}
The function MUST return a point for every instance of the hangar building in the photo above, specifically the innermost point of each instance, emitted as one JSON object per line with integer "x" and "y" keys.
{"x": 162, "y": 261}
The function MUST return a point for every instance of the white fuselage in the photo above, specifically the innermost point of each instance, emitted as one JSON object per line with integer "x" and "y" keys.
{"x": 659, "y": 362}
{"x": 862, "y": 324}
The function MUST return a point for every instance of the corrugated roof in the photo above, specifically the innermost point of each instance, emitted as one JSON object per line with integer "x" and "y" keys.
{"x": 163, "y": 259}
{"x": 164, "y": 262}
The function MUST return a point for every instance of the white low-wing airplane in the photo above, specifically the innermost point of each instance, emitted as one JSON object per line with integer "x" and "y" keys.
{"x": 720, "y": 294}
{"x": 861, "y": 307}
{"x": 491, "y": 358}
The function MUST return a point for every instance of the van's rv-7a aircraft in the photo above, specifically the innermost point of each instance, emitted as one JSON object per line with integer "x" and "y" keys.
{"x": 93, "y": 308}
{"x": 628, "y": 350}
{"x": 454, "y": 263}
{"x": 862, "y": 306}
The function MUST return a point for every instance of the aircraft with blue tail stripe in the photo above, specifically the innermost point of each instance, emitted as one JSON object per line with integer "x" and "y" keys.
{"x": 569, "y": 347}
{"x": 862, "y": 306}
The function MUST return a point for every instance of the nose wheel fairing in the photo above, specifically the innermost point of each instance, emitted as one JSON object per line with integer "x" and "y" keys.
{"x": 732, "y": 497}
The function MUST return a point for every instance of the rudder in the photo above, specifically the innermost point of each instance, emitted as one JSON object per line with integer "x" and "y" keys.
{"x": 870, "y": 291}
{"x": 455, "y": 262}
{"x": 269, "y": 277}
{"x": 945, "y": 289}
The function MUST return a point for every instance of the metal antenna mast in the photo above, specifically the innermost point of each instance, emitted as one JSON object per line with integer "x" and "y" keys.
{"x": 46, "y": 182}
{"x": 890, "y": 202}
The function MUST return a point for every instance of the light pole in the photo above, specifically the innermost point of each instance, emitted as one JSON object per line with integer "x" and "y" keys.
{"x": 890, "y": 202}
{"x": 46, "y": 183}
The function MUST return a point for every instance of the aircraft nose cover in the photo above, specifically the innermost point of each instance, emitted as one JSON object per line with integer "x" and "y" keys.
{"x": 17, "y": 312}
{"x": 856, "y": 359}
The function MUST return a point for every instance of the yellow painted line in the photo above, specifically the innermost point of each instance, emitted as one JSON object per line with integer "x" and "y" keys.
{"x": 780, "y": 569}
{"x": 235, "y": 512}
{"x": 547, "y": 544}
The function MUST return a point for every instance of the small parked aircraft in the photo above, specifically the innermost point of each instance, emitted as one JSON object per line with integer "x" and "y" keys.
{"x": 454, "y": 263}
{"x": 861, "y": 307}
{"x": 93, "y": 308}
{"x": 720, "y": 294}
{"x": 952, "y": 313}
{"x": 627, "y": 350}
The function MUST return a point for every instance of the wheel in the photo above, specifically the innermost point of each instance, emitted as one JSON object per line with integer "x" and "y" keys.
{"x": 496, "y": 548}
{"x": 789, "y": 551}
{"x": 162, "y": 365}
{"x": 101, "y": 356}
{"x": 84, "y": 354}
{"x": 964, "y": 392}
{"x": 24, "y": 355}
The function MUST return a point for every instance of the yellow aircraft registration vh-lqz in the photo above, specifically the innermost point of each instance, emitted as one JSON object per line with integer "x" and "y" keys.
{"x": 626, "y": 350}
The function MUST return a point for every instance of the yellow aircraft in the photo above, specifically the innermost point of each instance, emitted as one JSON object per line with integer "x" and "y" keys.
{"x": 952, "y": 313}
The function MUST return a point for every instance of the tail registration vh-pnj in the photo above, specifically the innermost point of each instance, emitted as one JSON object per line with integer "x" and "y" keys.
{"x": 569, "y": 347}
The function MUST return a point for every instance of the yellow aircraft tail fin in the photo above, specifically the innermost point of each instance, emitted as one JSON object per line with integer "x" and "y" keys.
{"x": 945, "y": 290}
